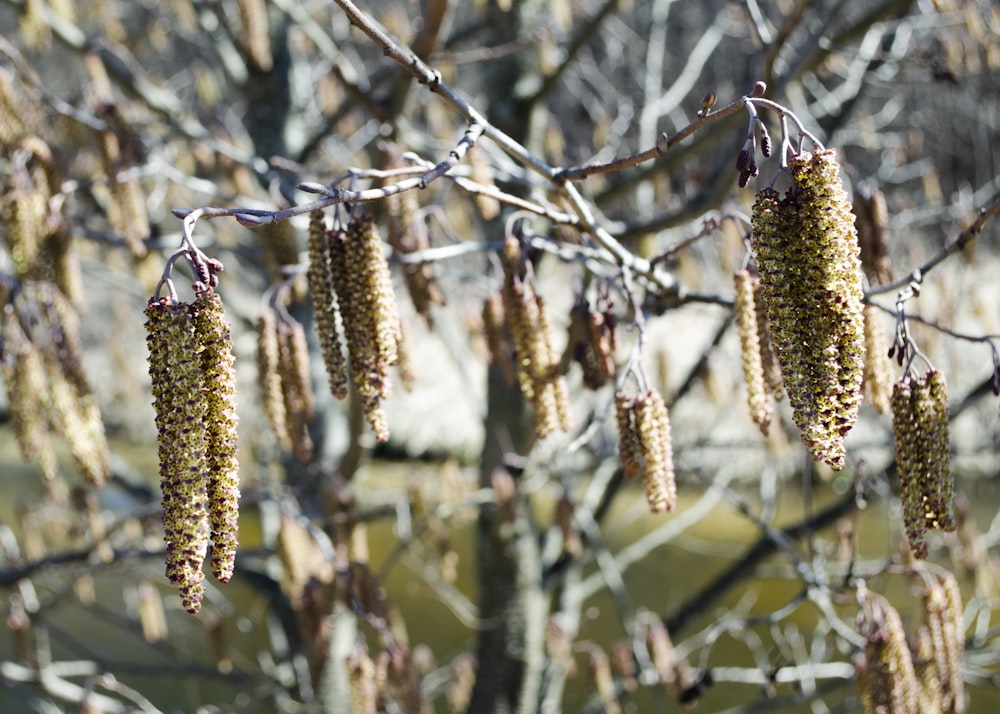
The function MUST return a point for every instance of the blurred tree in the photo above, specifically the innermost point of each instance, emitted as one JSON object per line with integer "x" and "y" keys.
{"x": 528, "y": 214}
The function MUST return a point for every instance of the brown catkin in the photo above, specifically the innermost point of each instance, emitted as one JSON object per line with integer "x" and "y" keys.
{"x": 296, "y": 386}
{"x": 367, "y": 303}
{"x": 807, "y": 252}
{"x": 406, "y": 237}
{"x": 758, "y": 398}
{"x": 905, "y": 429}
{"x": 221, "y": 440}
{"x": 628, "y": 437}
{"x": 178, "y": 399}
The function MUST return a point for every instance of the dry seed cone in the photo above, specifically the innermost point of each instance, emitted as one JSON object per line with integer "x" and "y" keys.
{"x": 807, "y": 252}
{"x": 747, "y": 323}
{"x": 325, "y": 306}
{"x": 221, "y": 441}
{"x": 178, "y": 399}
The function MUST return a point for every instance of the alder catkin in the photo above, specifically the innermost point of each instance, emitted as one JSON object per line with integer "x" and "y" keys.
{"x": 325, "y": 306}
{"x": 747, "y": 323}
{"x": 178, "y": 399}
{"x": 878, "y": 366}
{"x": 807, "y": 253}
{"x": 923, "y": 456}
{"x": 221, "y": 440}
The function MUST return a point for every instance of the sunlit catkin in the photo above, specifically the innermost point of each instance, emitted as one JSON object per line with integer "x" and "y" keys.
{"x": 221, "y": 461}
{"x": 807, "y": 253}
{"x": 758, "y": 399}
{"x": 325, "y": 306}
{"x": 920, "y": 428}
{"x": 361, "y": 279}
{"x": 178, "y": 399}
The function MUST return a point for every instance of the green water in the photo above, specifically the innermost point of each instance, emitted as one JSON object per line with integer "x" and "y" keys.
{"x": 181, "y": 674}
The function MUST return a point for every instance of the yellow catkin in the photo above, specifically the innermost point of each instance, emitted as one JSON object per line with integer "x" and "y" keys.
{"x": 887, "y": 679}
{"x": 361, "y": 676}
{"x": 807, "y": 253}
{"x": 878, "y": 366}
{"x": 268, "y": 376}
{"x": 652, "y": 424}
{"x": 367, "y": 303}
{"x": 954, "y": 642}
{"x": 923, "y": 457}
{"x": 178, "y": 399}
{"x": 221, "y": 441}
{"x": 296, "y": 386}
{"x": 12, "y": 123}
{"x": 592, "y": 344}
{"x": 325, "y": 306}
{"x": 758, "y": 398}
{"x": 930, "y": 694}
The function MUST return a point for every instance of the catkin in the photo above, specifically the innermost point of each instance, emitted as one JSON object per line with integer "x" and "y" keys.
{"x": 361, "y": 280}
{"x": 758, "y": 398}
{"x": 178, "y": 399}
{"x": 926, "y": 484}
{"x": 268, "y": 376}
{"x": 325, "y": 306}
{"x": 644, "y": 446}
{"x": 221, "y": 463}
{"x": 878, "y": 366}
{"x": 807, "y": 253}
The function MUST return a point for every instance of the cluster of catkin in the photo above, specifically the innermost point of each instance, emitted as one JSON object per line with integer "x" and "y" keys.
{"x": 194, "y": 395}
{"x": 283, "y": 379}
{"x": 42, "y": 367}
{"x": 807, "y": 255}
{"x": 922, "y": 674}
{"x": 355, "y": 307}
{"x": 518, "y": 317}
{"x": 645, "y": 447}
{"x": 923, "y": 456}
